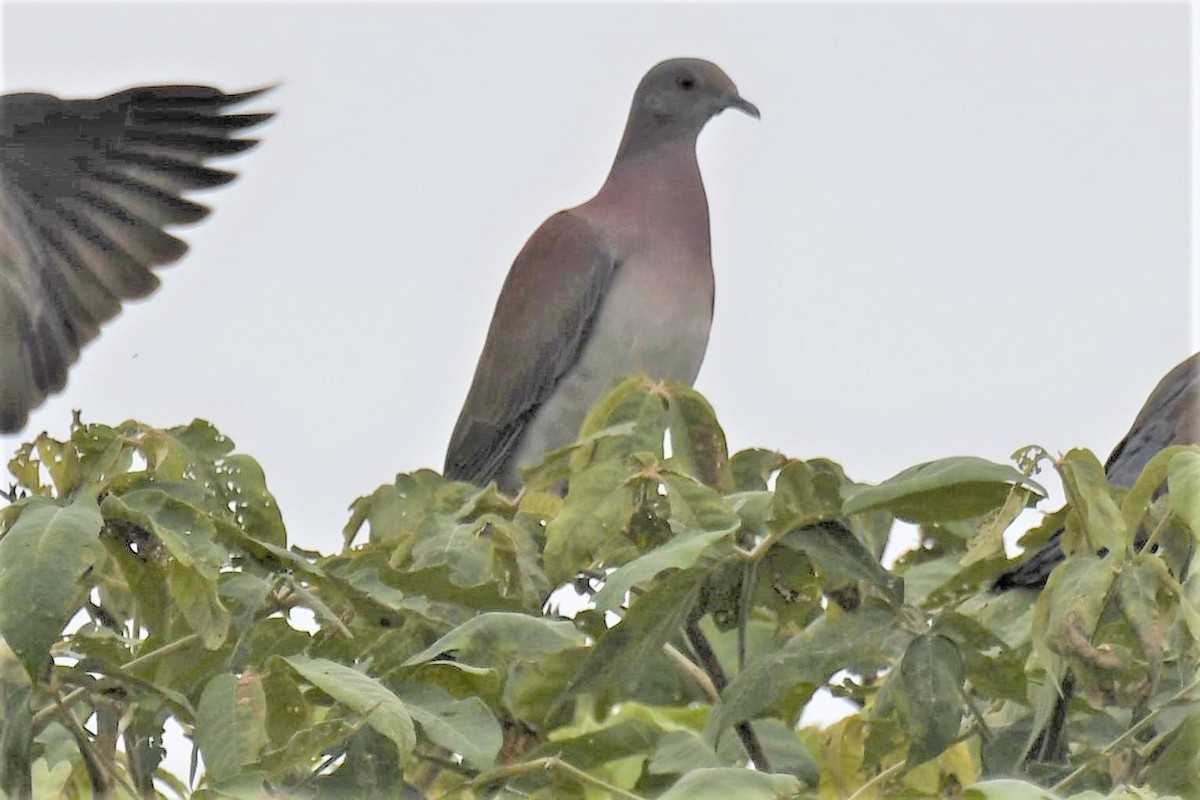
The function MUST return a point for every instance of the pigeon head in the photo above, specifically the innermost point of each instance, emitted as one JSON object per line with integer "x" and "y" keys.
{"x": 674, "y": 101}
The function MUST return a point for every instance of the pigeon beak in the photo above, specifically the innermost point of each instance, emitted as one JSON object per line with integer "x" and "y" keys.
{"x": 745, "y": 106}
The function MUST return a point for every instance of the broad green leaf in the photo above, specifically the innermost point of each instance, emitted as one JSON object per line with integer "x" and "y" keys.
{"x": 287, "y": 710}
{"x": 695, "y": 507}
{"x": 597, "y": 509}
{"x": 1183, "y": 475}
{"x": 400, "y": 513}
{"x": 1141, "y": 590}
{"x": 931, "y": 676}
{"x": 235, "y": 488}
{"x": 989, "y": 541}
{"x": 682, "y": 552}
{"x": 465, "y": 727}
{"x": 698, "y": 444}
{"x": 837, "y": 641}
{"x": 305, "y": 745}
{"x": 362, "y": 694}
{"x": 751, "y": 469}
{"x": 188, "y": 534}
{"x": 1176, "y": 770}
{"x": 959, "y": 487}
{"x": 619, "y": 738}
{"x": 635, "y": 399}
{"x": 1141, "y": 494}
{"x": 806, "y": 492}
{"x": 195, "y": 594}
{"x": 1097, "y": 514}
{"x": 723, "y": 783}
{"x": 1069, "y": 607}
{"x": 500, "y": 637}
{"x": 678, "y": 752}
{"x": 46, "y": 562}
{"x": 625, "y": 651}
{"x": 839, "y": 554}
{"x": 783, "y": 748}
{"x": 231, "y": 720}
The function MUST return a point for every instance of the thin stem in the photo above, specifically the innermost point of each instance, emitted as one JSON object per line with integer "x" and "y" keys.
{"x": 89, "y": 752}
{"x": 694, "y": 671}
{"x": 1158, "y": 529}
{"x": 165, "y": 650}
{"x": 46, "y": 712}
{"x": 1133, "y": 731}
{"x": 861, "y": 791}
{"x": 712, "y": 666}
{"x": 745, "y": 607}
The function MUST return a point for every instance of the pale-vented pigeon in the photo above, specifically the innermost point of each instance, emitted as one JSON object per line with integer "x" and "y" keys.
{"x": 1170, "y": 416}
{"x": 620, "y": 285}
{"x": 86, "y": 190}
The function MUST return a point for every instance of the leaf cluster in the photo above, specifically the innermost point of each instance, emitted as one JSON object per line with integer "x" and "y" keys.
{"x": 646, "y": 635}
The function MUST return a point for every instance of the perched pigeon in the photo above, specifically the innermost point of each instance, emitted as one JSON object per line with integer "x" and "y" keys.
{"x": 620, "y": 285}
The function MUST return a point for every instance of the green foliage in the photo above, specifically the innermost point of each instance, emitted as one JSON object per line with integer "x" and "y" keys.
{"x": 145, "y": 576}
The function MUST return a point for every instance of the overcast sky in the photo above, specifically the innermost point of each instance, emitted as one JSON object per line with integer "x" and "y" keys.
{"x": 957, "y": 228}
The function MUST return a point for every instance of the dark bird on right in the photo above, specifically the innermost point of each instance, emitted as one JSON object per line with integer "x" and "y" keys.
{"x": 1170, "y": 416}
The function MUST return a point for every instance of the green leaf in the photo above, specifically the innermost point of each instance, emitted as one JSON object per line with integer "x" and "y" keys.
{"x": 46, "y": 560}
{"x": 959, "y": 487}
{"x": 931, "y": 677}
{"x": 597, "y": 509}
{"x": 1139, "y": 586}
{"x": 751, "y": 469}
{"x": 696, "y": 507}
{"x": 698, "y": 444}
{"x": 231, "y": 722}
{"x": 187, "y": 533}
{"x": 1183, "y": 476}
{"x": 678, "y": 752}
{"x": 807, "y": 492}
{"x": 682, "y": 552}
{"x": 723, "y": 783}
{"x": 1176, "y": 769}
{"x": 837, "y": 641}
{"x": 625, "y": 651}
{"x": 465, "y": 727}
{"x": 362, "y": 694}
{"x": 839, "y": 554}
{"x": 499, "y": 637}
{"x": 1070, "y": 605}
{"x": 196, "y": 596}
{"x": 635, "y": 399}
{"x": 1143, "y": 491}
{"x": 1097, "y": 518}
{"x": 620, "y": 739}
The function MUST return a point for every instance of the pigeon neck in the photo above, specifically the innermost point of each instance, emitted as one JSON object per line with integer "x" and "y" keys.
{"x": 647, "y": 131}
{"x": 640, "y": 156}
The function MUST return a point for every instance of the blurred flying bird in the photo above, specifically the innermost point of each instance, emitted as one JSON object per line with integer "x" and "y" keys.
{"x": 87, "y": 189}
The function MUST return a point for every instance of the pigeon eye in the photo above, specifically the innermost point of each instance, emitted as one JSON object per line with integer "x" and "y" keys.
{"x": 685, "y": 82}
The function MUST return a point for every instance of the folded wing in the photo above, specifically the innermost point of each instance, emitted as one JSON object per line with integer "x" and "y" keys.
{"x": 542, "y": 320}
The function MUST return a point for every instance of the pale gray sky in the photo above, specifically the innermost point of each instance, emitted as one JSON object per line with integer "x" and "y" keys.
{"x": 958, "y": 228}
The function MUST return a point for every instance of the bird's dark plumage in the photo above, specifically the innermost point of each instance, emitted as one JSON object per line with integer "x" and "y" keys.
{"x": 87, "y": 188}
{"x": 1170, "y": 416}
